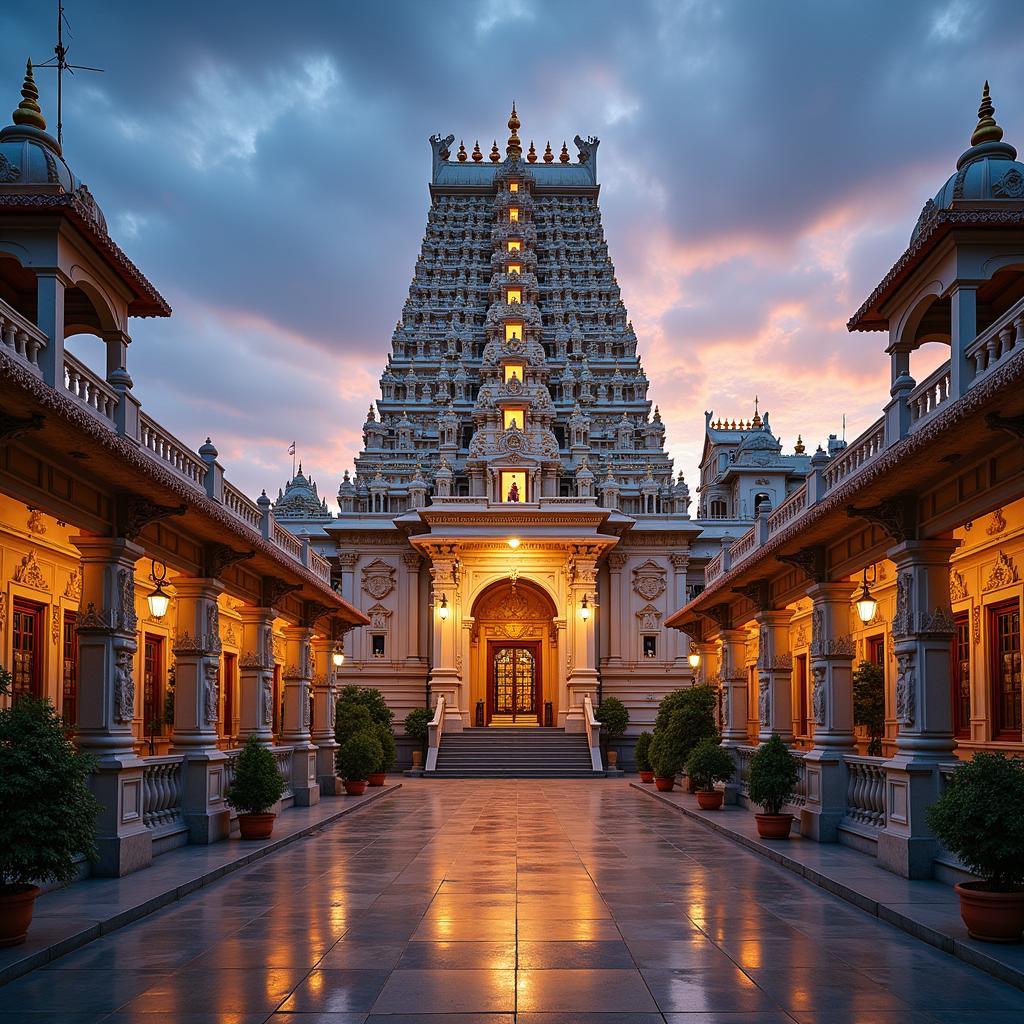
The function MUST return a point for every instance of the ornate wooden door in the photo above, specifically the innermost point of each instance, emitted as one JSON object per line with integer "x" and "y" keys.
{"x": 514, "y": 680}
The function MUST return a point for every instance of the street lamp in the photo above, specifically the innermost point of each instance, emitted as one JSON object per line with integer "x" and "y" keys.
{"x": 867, "y": 606}
{"x": 442, "y": 611}
{"x": 158, "y": 599}
{"x": 694, "y": 657}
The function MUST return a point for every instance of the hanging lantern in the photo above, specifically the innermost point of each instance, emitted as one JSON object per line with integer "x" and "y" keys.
{"x": 585, "y": 609}
{"x": 694, "y": 657}
{"x": 159, "y": 601}
{"x": 867, "y": 605}
{"x": 442, "y": 610}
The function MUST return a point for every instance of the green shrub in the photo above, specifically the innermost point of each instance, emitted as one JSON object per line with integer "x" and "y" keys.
{"x": 669, "y": 746}
{"x": 371, "y": 699}
{"x": 389, "y": 751}
{"x": 642, "y": 753}
{"x": 980, "y": 819}
{"x": 257, "y": 785}
{"x": 709, "y": 763}
{"x": 47, "y": 811}
{"x": 351, "y": 717}
{"x": 417, "y": 724}
{"x": 869, "y": 703}
{"x": 690, "y": 713}
{"x": 358, "y": 756}
{"x": 613, "y": 716}
{"x": 773, "y": 775}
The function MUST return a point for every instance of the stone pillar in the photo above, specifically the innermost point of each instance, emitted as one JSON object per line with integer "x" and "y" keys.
{"x": 445, "y": 677}
{"x": 679, "y": 641}
{"x": 412, "y": 562}
{"x": 618, "y": 602}
{"x": 347, "y": 562}
{"x": 832, "y": 650}
{"x": 50, "y": 286}
{"x": 922, "y": 633}
{"x": 774, "y": 675}
{"x": 256, "y": 675}
{"x": 325, "y": 684}
{"x": 106, "y": 701}
{"x": 197, "y": 651}
{"x": 707, "y": 670}
{"x": 582, "y": 675}
{"x": 297, "y": 676}
{"x": 964, "y": 323}
{"x": 733, "y": 673}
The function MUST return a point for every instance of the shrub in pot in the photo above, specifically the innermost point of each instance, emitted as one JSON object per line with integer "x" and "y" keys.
{"x": 370, "y": 698}
{"x": 707, "y": 764}
{"x": 669, "y": 750}
{"x": 773, "y": 777}
{"x": 614, "y": 718}
{"x": 256, "y": 787}
{"x": 869, "y": 703}
{"x": 47, "y": 811}
{"x": 642, "y": 753}
{"x": 417, "y": 724}
{"x": 356, "y": 758}
{"x": 980, "y": 819}
{"x": 350, "y": 717}
{"x": 386, "y": 739}
{"x": 693, "y": 712}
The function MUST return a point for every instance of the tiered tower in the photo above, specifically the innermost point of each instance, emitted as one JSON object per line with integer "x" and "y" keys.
{"x": 514, "y": 372}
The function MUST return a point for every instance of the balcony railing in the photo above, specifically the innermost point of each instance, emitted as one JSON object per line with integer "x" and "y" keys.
{"x": 928, "y": 396}
{"x": 165, "y": 447}
{"x": 162, "y": 791}
{"x": 865, "y": 449}
{"x": 93, "y": 392}
{"x": 997, "y": 341}
{"x": 865, "y": 790}
{"x": 20, "y": 337}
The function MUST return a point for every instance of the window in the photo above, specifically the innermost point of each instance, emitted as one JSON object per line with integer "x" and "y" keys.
{"x": 278, "y": 701}
{"x": 513, "y": 214}
{"x": 514, "y": 268}
{"x": 960, "y": 675}
{"x": 758, "y": 498}
{"x": 513, "y": 186}
{"x": 69, "y": 669}
{"x": 27, "y": 649}
{"x": 152, "y": 683}
{"x": 513, "y": 371}
{"x": 802, "y": 703}
{"x": 650, "y": 646}
{"x": 513, "y": 331}
{"x": 718, "y": 509}
{"x": 514, "y": 296}
{"x": 513, "y": 419}
{"x": 228, "y": 689}
{"x": 377, "y": 645}
{"x": 1004, "y": 652}
{"x": 876, "y": 650}
{"x": 513, "y": 485}
{"x": 514, "y": 245}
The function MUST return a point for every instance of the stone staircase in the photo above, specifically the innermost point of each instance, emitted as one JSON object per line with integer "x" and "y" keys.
{"x": 514, "y": 753}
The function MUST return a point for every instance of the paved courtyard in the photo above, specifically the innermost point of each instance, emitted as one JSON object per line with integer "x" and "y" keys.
{"x": 556, "y": 902}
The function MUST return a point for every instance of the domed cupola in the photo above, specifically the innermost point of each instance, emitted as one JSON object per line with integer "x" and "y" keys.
{"x": 31, "y": 159}
{"x": 300, "y": 500}
{"x": 987, "y": 175}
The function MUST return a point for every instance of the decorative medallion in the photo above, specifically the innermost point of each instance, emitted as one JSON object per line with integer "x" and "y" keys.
{"x": 1003, "y": 574}
{"x": 36, "y": 522}
{"x": 378, "y": 579}
{"x": 998, "y": 523}
{"x": 30, "y": 573}
{"x": 649, "y": 580}
{"x": 1010, "y": 185}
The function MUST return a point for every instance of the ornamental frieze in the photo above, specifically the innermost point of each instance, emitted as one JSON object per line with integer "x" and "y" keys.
{"x": 1003, "y": 573}
{"x": 649, "y": 580}
{"x": 30, "y": 574}
{"x": 378, "y": 579}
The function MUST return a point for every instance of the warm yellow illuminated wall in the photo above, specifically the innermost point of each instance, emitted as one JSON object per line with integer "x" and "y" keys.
{"x": 514, "y": 245}
{"x": 514, "y": 295}
{"x": 513, "y": 213}
{"x": 513, "y": 371}
{"x": 513, "y": 418}
{"x": 513, "y": 331}
{"x": 513, "y": 186}
{"x": 513, "y": 478}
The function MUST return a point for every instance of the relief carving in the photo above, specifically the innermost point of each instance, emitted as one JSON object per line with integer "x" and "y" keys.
{"x": 905, "y": 699}
{"x": 211, "y": 692}
{"x": 649, "y": 580}
{"x": 30, "y": 573}
{"x": 957, "y": 586}
{"x": 124, "y": 686}
{"x": 818, "y": 696}
{"x": 764, "y": 699}
{"x": 1003, "y": 574}
{"x": 378, "y": 579}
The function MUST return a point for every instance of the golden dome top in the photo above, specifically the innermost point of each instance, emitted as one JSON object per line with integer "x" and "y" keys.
{"x": 495, "y": 155}
{"x": 986, "y": 130}
{"x": 28, "y": 112}
{"x": 462, "y": 156}
{"x": 515, "y": 148}
{"x": 531, "y": 156}
{"x": 564, "y": 155}
{"x": 477, "y": 155}
{"x": 548, "y": 155}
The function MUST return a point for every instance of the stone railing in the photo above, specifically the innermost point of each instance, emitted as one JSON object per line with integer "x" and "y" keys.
{"x": 435, "y": 730}
{"x": 283, "y": 757}
{"x": 231, "y": 765}
{"x": 242, "y": 506}
{"x": 789, "y": 509}
{"x": 744, "y": 755}
{"x": 929, "y": 395}
{"x": 286, "y": 541}
{"x": 593, "y": 730}
{"x": 93, "y": 392}
{"x": 743, "y": 546}
{"x": 865, "y": 449}
{"x": 865, "y": 790}
{"x": 713, "y": 569}
{"x": 161, "y": 791}
{"x": 998, "y": 340}
{"x": 20, "y": 337}
{"x": 166, "y": 448}
{"x": 319, "y": 566}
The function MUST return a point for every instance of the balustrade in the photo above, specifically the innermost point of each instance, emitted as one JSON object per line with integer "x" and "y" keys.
{"x": 713, "y": 570}
{"x": 89, "y": 389}
{"x": 161, "y": 791}
{"x": 865, "y": 790}
{"x": 788, "y": 510}
{"x": 242, "y": 507}
{"x": 283, "y": 757}
{"x": 166, "y": 448}
{"x": 866, "y": 448}
{"x": 743, "y": 546}
{"x": 929, "y": 395}
{"x": 20, "y": 337}
{"x": 998, "y": 340}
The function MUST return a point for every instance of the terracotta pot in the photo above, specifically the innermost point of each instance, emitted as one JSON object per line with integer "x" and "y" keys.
{"x": 417, "y": 759}
{"x": 376, "y": 778}
{"x": 664, "y": 784}
{"x": 647, "y": 777}
{"x": 355, "y": 787}
{"x": 774, "y": 826}
{"x": 255, "y": 826}
{"x": 16, "y": 913}
{"x": 613, "y": 758}
{"x": 710, "y": 799}
{"x": 991, "y": 916}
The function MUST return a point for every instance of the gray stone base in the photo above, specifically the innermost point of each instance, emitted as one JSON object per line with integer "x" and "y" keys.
{"x": 306, "y": 796}
{"x": 330, "y": 785}
{"x": 121, "y": 855}
{"x": 821, "y": 826}
{"x": 910, "y": 858}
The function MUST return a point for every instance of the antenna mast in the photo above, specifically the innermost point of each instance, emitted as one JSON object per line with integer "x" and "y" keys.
{"x": 59, "y": 63}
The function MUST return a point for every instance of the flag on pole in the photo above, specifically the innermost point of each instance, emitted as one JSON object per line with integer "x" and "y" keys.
{"x": 291, "y": 448}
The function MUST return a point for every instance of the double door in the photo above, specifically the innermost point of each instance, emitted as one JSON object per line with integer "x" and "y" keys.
{"x": 514, "y": 670}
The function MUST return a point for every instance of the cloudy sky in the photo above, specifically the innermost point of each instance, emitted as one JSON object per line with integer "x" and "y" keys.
{"x": 266, "y": 165}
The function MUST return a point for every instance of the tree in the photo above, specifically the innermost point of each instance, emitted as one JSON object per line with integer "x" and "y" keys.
{"x": 869, "y": 703}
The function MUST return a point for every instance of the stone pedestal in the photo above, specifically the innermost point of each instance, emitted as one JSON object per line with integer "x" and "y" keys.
{"x": 922, "y": 632}
{"x": 445, "y": 678}
{"x": 832, "y": 650}
{"x": 197, "y": 650}
{"x": 732, "y": 656}
{"x": 298, "y": 714}
{"x": 774, "y": 675}
{"x": 107, "y": 645}
{"x": 324, "y": 691}
{"x": 582, "y": 675}
{"x": 256, "y": 675}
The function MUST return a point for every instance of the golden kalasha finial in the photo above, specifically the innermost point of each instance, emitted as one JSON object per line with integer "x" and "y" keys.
{"x": 564, "y": 155}
{"x": 987, "y": 130}
{"x": 756, "y": 422}
{"x": 531, "y": 156}
{"x": 798, "y": 448}
{"x": 462, "y": 157}
{"x": 28, "y": 112}
{"x": 514, "y": 149}
{"x": 548, "y": 155}
{"x": 495, "y": 155}
{"x": 477, "y": 155}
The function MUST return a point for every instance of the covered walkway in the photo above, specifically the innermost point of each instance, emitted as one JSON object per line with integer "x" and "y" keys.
{"x": 500, "y": 901}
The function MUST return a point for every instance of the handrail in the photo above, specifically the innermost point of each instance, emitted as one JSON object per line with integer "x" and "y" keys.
{"x": 789, "y": 509}
{"x": 435, "y": 729}
{"x": 242, "y": 506}
{"x": 89, "y": 388}
{"x": 20, "y": 336}
{"x": 166, "y": 448}
{"x": 593, "y": 728}
{"x": 929, "y": 394}
{"x": 866, "y": 447}
{"x": 997, "y": 340}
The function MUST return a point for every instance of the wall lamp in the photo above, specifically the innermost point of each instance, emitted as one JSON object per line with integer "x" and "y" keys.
{"x": 159, "y": 600}
{"x": 867, "y": 605}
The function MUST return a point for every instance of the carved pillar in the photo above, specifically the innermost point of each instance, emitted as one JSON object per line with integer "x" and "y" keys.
{"x": 325, "y": 684}
{"x": 582, "y": 675}
{"x": 922, "y": 632}
{"x": 679, "y": 641}
{"x": 445, "y": 677}
{"x": 618, "y": 599}
{"x": 774, "y": 675}
{"x": 197, "y": 651}
{"x": 298, "y": 714}
{"x": 106, "y": 702}
{"x": 256, "y": 675}
{"x": 831, "y": 652}
{"x": 733, "y": 674}
{"x": 707, "y": 670}
{"x": 412, "y": 562}
{"x": 347, "y": 562}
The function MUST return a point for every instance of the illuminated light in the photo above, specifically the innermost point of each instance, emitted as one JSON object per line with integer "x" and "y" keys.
{"x": 513, "y": 214}
{"x": 514, "y": 296}
{"x": 693, "y": 657}
{"x": 866, "y": 604}
{"x": 338, "y": 657}
{"x": 159, "y": 601}
{"x": 513, "y": 186}
{"x": 585, "y": 609}
{"x": 514, "y": 268}
{"x": 514, "y": 245}
{"x": 513, "y": 419}
{"x": 513, "y": 332}
{"x": 513, "y": 371}
{"x": 513, "y": 485}
{"x": 513, "y": 542}
{"x": 442, "y": 611}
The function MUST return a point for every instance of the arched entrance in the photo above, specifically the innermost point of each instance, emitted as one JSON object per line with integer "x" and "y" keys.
{"x": 514, "y": 654}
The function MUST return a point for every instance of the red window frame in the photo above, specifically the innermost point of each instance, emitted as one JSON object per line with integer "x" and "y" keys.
{"x": 1005, "y": 665}
{"x": 960, "y": 674}
{"x": 153, "y": 683}
{"x": 803, "y": 706}
{"x": 69, "y": 669}
{"x": 876, "y": 649}
{"x": 27, "y": 647}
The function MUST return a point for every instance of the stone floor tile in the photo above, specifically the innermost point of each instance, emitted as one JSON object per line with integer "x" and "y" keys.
{"x": 448, "y": 991}
{"x": 335, "y": 991}
{"x": 579, "y": 991}
{"x": 458, "y": 956}
{"x": 692, "y": 990}
{"x": 539, "y": 956}
{"x": 81, "y": 991}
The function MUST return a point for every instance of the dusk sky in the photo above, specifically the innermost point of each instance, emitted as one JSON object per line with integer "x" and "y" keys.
{"x": 266, "y": 165}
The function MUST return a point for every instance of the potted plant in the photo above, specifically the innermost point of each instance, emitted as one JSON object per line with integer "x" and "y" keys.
{"x": 707, "y": 764}
{"x": 869, "y": 703}
{"x": 669, "y": 751}
{"x": 417, "y": 724}
{"x": 773, "y": 777}
{"x": 359, "y": 755}
{"x": 256, "y": 787}
{"x": 693, "y": 711}
{"x": 386, "y": 739}
{"x": 642, "y": 754}
{"x": 614, "y": 718}
{"x": 980, "y": 819}
{"x": 47, "y": 811}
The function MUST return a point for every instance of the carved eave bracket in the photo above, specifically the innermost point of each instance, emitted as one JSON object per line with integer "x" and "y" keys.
{"x": 12, "y": 427}
{"x": 219, "y": 557}
{"x": 897, "y": 517}
{"x": 719, "y": 614}
{"x": 311, "y": 611}
{"x": 135, "y": 513}
{"x": 810, "y": 561}
{"x": 1012, "y": 425}
{"x": 276, "y": 590}
{"x": 758, "y": 593}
